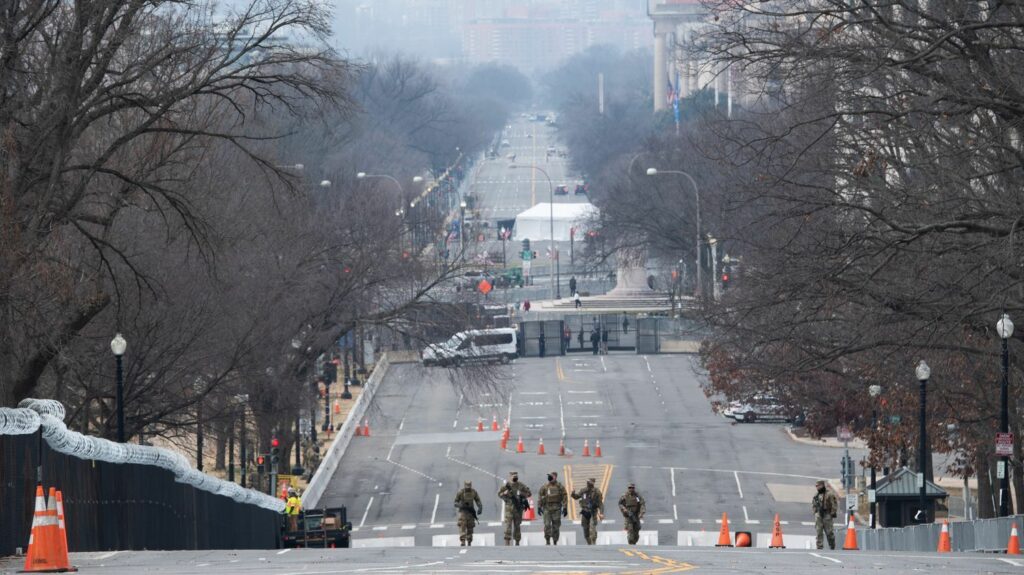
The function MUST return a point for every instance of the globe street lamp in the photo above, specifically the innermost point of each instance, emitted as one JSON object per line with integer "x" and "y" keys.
{"x": 874, "y": 391}
{"x": 118, "y": 345}
{"x": 923, "y": 372}
{"x": 1004, "y": 327}
{"x": 696, "y": 195}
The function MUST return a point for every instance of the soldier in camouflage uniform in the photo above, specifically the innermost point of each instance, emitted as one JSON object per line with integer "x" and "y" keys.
{"x": 552, "y": 504}
{"x": 515, "y": 495}
{"x": 824, "y": 506}
{"x": 591, "y": 509}
{"x": 633, "y": 507}
{"x": 464, "y": 501}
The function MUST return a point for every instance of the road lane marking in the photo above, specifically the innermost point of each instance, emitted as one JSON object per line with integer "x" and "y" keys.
{"x": 533, "y": 393}
{"x": 407, "y": 527}
{"x": 367, "y": 512}
{"x": 806, "y": 523}
{"x": 745, "y": 516}
{"x": 283, "y": 551}
{"x": 695, "y": 521}
{"x": 433, "y": 515}
{"x": 107, "y": 555}
{"x": 665, "y": 521}
{"x": 672, "y": 472}
{"x": 736, "y": 474}
{"x": 823, "y": 557}
{"x": 590, "y": 391}
{"x": 411, "y": 470}
{"x": 561, "y": 414}
{"x": 455, "y": 424}
{"x": 380, "y": 528}
{"x": 437, "y": 526}
{"x": 603, "y": 366}
{"x": 401, "y": 425}
{"x": 675, "y": 512}
{"x": 1011, "y": 562}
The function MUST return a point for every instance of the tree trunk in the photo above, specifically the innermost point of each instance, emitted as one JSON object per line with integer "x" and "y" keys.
{"x": 986, "y": 508}
{"x": 222, "y": 443}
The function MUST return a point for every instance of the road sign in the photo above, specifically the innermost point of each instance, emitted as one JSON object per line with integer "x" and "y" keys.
{"x": 527, "y": 255}
{"x": 851, "y": 501}
{"x": 1004, "y": 444}
{"x": 844, "y": 433}
{"x": 484, "y": 286}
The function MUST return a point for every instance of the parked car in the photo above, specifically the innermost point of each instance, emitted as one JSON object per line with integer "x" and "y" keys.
{"x": 471, "y": 279}
{"x": 509, "y": 278}
{"x": 478, "y": 345}
{"x": 764, "y": 408}
{"x": 561, "y": 190}
{"x": 581, "y": 189}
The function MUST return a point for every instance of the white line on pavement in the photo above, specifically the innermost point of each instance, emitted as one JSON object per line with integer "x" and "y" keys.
{"x": 736, "y": 474}
{"x": 695, "y": 521}
{"x": 533, "y": 393}
{"x": 367, "y": 512}
{"x": 745, "y": 516}
{"x": 455, "y": 424}
{"x": 509, "y": 417}
{"x": 561, "y": 414}
{"x": 823, "y": 557}
{"x": 381, "y": 528}
{"x": 590, "y": 391}
{"x": 448, "y": 451}
{"x": 437, "y": 499}
{"x": 437, "y": 526}
{"x": 533, "y": 417}
{"x": 407, "y": 527}
{"x": 1012, "y": 562}
{"x": 806, "y": 523}
{"x": 283, "y": 551}
{"x": 605, "y": 367}
{"x": 107, "y": 555}
{"x": 672, "y": 472}
{"x": 665, "y": 521}
{"x": 675, "y": 512}
{"x": 411, "y": 470}
{"x": 401, "y": 425}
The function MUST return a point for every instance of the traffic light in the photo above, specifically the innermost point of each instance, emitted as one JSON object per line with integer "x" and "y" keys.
{"x": 275, "y": 453}
{"x": 261, "y": 463}
{"x": 526, "y": 244}
{"x": 725, "y": 277}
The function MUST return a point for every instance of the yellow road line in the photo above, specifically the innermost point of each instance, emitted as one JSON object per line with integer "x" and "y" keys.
{"x": 669, "y": 565}
{"x": 584, "y": 471}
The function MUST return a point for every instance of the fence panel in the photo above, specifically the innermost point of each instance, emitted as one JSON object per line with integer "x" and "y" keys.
{"x": 112, "y": 506}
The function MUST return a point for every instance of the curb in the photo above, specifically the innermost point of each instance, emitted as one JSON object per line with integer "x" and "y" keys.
{"x": 855, "y": 444}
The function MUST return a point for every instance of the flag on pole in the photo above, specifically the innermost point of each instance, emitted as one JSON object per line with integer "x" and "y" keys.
{"x": 671, "y": 97}
{"x": 675, "y": 104}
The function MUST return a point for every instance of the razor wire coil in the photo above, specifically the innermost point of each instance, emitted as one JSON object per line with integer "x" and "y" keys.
{"x": 47, "y": 414}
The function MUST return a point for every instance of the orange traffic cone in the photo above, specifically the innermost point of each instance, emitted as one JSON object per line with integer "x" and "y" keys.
{"x": 540, "y": 447}
{"x": 777, "y": 535}
{"x": 1013, "y": 547}
{"x": 586, "y": 448}
{"x": 337, "y": 407}
{"x": 62, "y": 538}
{"x": 529, "y": 514}
{"x": 494, "y": 423}
{"x": 944, "y": 546}
{"x": 366, "y": 429}
{"x": 479, "y": 424}
{"x": 359, "y": 430}
{"x": 504, "y": 443}
{"x": 43, "y": 547}
{"x": 561, "y": 448}
{"x": 723, "y": 535}
{"x": 851, "y": 536}
{"x": 519, "y": 445}
{"x": 597, "y": 448}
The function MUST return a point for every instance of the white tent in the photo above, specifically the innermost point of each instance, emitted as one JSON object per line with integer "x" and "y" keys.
{"x": 535, "y": 223}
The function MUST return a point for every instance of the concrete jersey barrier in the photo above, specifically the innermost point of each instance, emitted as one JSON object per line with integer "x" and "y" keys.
{"x": 329, "y": 464}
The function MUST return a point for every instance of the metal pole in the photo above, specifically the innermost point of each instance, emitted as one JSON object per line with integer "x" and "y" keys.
{"x": 1004, "y": 426}
{"x": 120, "y": 399}
{"x": 298, "y": 441}
{"x": 462, "y": 230}
{"x": 923, "y": 453}
{"x": 551, "y": 211}
{"x": 199, "y": 435}
{"x": 245, "y": 458}
{"x": 874, "y": 425}
{"x": 231, "y": 450}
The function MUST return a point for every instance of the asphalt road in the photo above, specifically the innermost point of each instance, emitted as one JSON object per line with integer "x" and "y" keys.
{"x": 653, "y": 422}
{"x": 502, "y": 192}
{"x": 550, "y": 560}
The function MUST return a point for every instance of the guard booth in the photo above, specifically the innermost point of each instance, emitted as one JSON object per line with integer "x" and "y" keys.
{"x": 532, "y": 332}
{"x": 898, "y": 499}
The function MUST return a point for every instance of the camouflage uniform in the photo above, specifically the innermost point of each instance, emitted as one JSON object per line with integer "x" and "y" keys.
{"x": 551, "y": 502}
{"x": 591, "y": 509}
{"x": 824, "y": 506}
{"x": 633, "y": 507}
{"x": 515, "y": 495}
{"x": 464, "y": 501}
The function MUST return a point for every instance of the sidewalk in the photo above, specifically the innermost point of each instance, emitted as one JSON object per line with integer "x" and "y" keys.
{"x": 796, "y": 436}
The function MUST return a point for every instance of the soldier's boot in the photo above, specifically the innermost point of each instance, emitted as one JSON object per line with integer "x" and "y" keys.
{"x": 462, "y": 544}
{"x": 508, "y": 542}
{"x": 517, "y": 543}
{"x": 547, "y": 541}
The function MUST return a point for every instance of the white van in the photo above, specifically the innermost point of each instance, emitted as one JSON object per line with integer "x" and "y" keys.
{"x": 499, "y": 344}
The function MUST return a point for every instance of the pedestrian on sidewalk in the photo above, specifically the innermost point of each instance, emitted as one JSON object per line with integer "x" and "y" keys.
{"x": 576, "y": 299}
{"x": 566, "y": 339}
{"x": 572, "y": 284}
{"x": 604, "y": 341}
{"x": 526, "y": 305}
{"x": 595, "y": 340}
{"x": 824, "y": 506}
{"x": 580, "y": 337}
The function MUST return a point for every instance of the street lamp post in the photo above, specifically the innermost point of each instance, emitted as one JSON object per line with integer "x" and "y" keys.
{"x": 696, "y": 195}
{"x": 1005, "y": 329}
{"x": 118, "y": 345}
{"x": 401, "y": 192}
{"x": 462, "y": 229}
{"x": 923, "y": 372}
{"x": 556, "y": 289}
{"x": 874, "y": 391}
